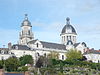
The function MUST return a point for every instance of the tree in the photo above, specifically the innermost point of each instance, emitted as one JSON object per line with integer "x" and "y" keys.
{"x": 39, "y": 62}
{"x": 12, "y": 64}
{"x": 26, "y": 59}
{"x": 53, "y": 55}
{"x": 1, "y": 64}
{"x": 74, "y": 54}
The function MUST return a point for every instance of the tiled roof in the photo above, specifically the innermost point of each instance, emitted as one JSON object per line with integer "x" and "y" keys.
{"x": 92, "y": 52}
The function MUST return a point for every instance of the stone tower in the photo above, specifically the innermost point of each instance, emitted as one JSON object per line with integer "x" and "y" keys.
{"x": 26, "y": 34}
{"x": 68, "y": 34}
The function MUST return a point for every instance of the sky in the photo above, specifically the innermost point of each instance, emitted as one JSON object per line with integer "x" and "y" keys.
{"x": 48, "y": 17}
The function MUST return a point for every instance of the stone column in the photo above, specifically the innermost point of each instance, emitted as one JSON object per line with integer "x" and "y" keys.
{"x": 2, "y": 72}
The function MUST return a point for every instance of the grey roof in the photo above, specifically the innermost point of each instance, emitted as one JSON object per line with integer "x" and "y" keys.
{"x": 53, "y": 45}
{"x": 26, "y": 22}
{"x": 92, "y": 52}
{"x": 20, "y": 47}
{"x": 33, "y": 41}
{"x": 4, "y": 49}
{"x": 68, "y": 28}
{"x": 76, "y": 44}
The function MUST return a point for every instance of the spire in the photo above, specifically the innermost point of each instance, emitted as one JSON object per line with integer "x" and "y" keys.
{"x": 67, "y": 21}
{"x": 26, "y": 18}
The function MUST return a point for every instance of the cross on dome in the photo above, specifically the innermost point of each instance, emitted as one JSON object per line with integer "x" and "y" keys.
{"x": 67, "y": 21}
{"x": 26, "y": 18}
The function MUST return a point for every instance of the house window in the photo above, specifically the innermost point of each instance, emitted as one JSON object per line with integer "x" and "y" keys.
{"x": 38, "y": 54}
{"x": 29, "y": 32}
{"x": 70, "y": 37}
{"x": 37, "y": 45}
{"x": 0, "y": 51}
{"x": 45, "y": 54}
{"x": 16, "y": 47}
{"x": 62, "y": 57}
{"x": 64, "y": 38}
{"x": 67, "y": 38}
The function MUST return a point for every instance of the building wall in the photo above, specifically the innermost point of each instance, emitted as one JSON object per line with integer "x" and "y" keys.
{"x": 4, "y": 56}
{"x": 93, "y": 57}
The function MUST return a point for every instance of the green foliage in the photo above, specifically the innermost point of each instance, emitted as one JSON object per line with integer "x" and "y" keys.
{"x": 26, "y": 59}
{"x": 53, "y": 55}
{"x": 23, "y": 68}
{"x": 1, "y": 64}
{"x": 40, "y": 62}
{"x": 12, "y": 64}
{"x": 74, "y": 54}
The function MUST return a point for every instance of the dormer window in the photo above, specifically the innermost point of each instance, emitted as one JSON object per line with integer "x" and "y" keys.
{"x": 16, "y": 47}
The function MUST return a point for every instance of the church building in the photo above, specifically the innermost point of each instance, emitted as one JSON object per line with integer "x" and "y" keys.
{"x": 28, "y": 45}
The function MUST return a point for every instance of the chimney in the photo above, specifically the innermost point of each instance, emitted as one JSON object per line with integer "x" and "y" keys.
{"x": 9, "y": 45}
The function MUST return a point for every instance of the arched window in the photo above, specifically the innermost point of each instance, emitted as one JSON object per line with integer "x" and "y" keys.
{"x": 64, "y": 38}
{"x": 16, "y": 47}
{"x": 70, "y": 37}
{"x": 45, "y": 54}
{"x": 62, "y": 57}
{"x": 29, "y": 32}
{"x": 67, "y": 38}
{"x": 38, "y": 54}
{"x": 73, "y": 38}
{"x": 37, "y": 45}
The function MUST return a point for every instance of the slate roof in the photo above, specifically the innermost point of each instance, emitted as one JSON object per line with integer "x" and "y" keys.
{"x": 76, "y": 44}
{"x": 50, "y": 45}
{"x": 20, "y": 47}
{"x": 68, "y": 27}
{"x": 53, "y": 45}
{"x": 33, "y": 41}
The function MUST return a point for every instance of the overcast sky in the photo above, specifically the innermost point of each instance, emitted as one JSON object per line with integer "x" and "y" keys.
{"x": 48, "y": 18}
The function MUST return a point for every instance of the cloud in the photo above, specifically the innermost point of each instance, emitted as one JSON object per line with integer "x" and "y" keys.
{"x": 55, "y": 26}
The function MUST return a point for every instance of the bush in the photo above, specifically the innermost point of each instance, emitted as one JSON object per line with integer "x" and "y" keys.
{"x": 23, "y": 68}
{"x": 1, "y": 64}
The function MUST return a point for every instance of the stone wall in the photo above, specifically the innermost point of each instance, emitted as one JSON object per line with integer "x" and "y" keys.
{"x": 27, "y": 73}
{"x": 2, "y": 72}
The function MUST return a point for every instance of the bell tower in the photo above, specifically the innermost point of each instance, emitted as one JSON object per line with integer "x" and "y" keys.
{"x": 26, "y": 34}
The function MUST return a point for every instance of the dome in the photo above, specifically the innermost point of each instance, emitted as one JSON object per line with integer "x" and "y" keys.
{"x": 26, "y": 22}
{"x": 68, "y": 28}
